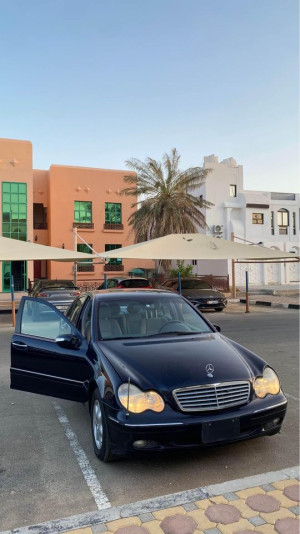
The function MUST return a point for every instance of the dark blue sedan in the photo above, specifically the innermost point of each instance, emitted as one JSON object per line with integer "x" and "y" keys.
{"x": 157, "y": 374}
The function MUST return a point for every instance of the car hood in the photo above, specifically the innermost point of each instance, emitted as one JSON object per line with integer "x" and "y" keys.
{"x": 205, "y": 293}
{"x": 173, "y": 362}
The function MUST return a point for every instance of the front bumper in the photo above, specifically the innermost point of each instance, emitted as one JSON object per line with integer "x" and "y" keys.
{"x": 210, "y": 305}
{"x": 259, "y": 417}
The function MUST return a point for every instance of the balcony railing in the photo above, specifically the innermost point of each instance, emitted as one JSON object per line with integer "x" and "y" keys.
{"x": 113, "y": 226}
{"x": 88, "y": 226}
{"x": 88, "y": 268}
{"x": 109, "y": 267}
{"x": 40, "y": 226}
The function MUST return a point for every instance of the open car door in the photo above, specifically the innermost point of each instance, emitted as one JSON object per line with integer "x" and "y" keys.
{"x": 48, "y": 354}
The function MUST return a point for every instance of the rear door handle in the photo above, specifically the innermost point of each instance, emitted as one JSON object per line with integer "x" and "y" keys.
{"x": 19, "y": 345}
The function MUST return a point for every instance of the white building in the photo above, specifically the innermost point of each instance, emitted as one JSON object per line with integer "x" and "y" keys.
{"x": 260, "y": 217}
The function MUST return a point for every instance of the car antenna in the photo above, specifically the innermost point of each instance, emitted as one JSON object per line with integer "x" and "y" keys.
{"x": 127, "y": 413}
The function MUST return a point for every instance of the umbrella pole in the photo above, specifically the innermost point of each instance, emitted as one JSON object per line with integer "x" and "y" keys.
{"x": 233, "y": 272}
{"x": 13, "y": 304}
{"x": 247, "y": 294}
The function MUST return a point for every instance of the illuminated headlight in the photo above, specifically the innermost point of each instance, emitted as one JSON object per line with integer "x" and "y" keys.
{"x": 137, "y": 401}
{"x": 268, "y": 383}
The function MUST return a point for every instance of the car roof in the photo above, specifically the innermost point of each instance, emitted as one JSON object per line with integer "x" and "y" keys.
{"x": 127, "y": 292}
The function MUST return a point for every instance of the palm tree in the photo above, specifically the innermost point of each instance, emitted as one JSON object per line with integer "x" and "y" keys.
{"x": 165, "y": 201}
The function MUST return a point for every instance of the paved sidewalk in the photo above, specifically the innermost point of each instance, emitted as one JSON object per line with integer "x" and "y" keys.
{"x": 265, "y": 504}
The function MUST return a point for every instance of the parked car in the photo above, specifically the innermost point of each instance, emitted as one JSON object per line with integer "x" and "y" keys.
{"x": 61, "y": 293}
{"x": 198, "y": 292}
{"x": 156, "y": 374}
{"x": 121, "y": 283}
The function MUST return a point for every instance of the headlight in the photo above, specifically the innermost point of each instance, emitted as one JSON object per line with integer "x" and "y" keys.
{"x": 268, "y": 383}
{"x": 137, "y": 401}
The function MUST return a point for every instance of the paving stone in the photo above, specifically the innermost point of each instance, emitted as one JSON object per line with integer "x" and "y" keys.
{"x": 132, "y": 529}
{"x": 98, "y": 529}
{"x": 203, "y": 504}
{"x": 178, "y": 524}
{"x": 223, "y": 513}
{"x": 295, "y": 510}
{"x": 265, "y": 529}
{"x": 203, "y": 521}
{"x": 281, "y": 484}
{"x": 82, "y": 531}
{"x": 292, "y": 492}
{"x": 230, "y": 496}
{"x": 232, "y": 528}
{"x": 256, "y": 521}
{"x": 153, "y": 527}
{"x": 267, "y": 487}
{"x": 161, "y": 514}
{"x": 243, "y": 494}
{"x": 246, "y": 512}
{"x": 282, "y": 498}
{"x": 273, "y": 516}
{"x": 263, "y": 503}
{"x": 218, "y": 499}
{"x": 212, "y": 531}
{"x": 146, "y": 517}
{"x": 287, "y": 526}
{"x": 243, "y": 531}
{"x": 189, "y": 507}
{"x": 124, "y": 522}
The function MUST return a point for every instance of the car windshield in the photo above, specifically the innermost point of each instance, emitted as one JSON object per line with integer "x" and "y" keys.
{"x": 132, "y": 282}
{"x": 150, "y": 315}
{"x": 195, "y": 284}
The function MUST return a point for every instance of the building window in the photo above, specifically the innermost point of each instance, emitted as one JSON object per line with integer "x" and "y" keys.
{"x": 272, "y": 223}
{"x": 14, "y": 210}
{"x": 283, "y": 221}
{"x": 257, "y": 218}
{"x": 194, "y": 262}
{"x": 85, "y": 265}
{"x": 294, "y": 223}
{"x": 39, "y": 217}
{"x": 232, "y": 190}
{"x": 113, "y": 261}
{"x": 113, "y": 213}
{"x": 82, "y": 212}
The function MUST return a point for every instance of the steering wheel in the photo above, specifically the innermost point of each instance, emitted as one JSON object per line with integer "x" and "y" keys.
{"x": 181, "y": 327}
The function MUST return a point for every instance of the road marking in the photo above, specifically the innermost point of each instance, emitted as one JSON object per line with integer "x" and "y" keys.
{"x": 89, "y": 474}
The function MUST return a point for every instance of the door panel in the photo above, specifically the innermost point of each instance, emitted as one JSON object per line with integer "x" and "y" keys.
{"x": 38, "y": 363}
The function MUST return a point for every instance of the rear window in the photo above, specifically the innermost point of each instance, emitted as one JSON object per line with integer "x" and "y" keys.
{"x": 135, "y": 283}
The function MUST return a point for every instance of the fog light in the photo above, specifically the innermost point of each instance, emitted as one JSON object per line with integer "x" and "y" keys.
{"x": 144, "y": 444}
{"x": 271, "y": 424}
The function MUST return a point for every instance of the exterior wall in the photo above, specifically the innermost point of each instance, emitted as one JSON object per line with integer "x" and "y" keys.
{"x": 56, "y": 190}
{"x": 70, "y": 184}
{"x": 16, "y": 166}
{"x": 235, "y": 215}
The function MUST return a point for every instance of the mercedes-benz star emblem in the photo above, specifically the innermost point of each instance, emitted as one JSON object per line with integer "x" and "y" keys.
{"x": 209, "y": 370}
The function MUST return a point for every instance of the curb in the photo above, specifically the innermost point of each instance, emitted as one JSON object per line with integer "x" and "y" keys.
{"x": 96, "y": 519}
{"x": 273, "y": 304}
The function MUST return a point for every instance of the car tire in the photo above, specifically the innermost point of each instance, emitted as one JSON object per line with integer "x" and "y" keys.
{"x": 100, "y": 434}
{"x": 219, "y": 309}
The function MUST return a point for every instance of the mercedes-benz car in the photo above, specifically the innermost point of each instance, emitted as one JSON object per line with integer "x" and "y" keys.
{"x": 61, "y": 293}
{"x": 155, "y": 373}
{"x": 198, "y": 292}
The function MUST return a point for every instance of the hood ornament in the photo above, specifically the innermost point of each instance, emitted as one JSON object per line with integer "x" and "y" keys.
{"x": 209, "y": 370}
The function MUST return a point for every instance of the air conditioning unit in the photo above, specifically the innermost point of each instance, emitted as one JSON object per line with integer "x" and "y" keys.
{"x": 217, "y": 230}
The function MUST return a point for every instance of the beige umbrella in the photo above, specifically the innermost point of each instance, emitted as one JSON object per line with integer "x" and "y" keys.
{"x": 15, "y": 250}
{"x": 196, "y": 247}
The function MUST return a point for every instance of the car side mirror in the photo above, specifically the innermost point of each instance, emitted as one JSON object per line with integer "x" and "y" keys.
{"x": 68, "y": 341}
{"x": 217, "y": 327}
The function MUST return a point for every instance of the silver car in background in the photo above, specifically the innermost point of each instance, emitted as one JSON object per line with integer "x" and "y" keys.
{"x": 61, "y": 293}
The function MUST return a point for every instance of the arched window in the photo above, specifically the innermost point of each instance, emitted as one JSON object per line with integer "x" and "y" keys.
{"x": 283, "y": 221}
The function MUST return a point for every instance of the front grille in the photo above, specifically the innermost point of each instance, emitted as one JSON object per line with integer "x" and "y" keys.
{"x": 212, "y": 397}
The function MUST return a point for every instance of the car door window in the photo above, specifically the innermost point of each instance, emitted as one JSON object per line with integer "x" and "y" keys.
{"x": 42, "y": 320}
{"x": 85, "y": 321}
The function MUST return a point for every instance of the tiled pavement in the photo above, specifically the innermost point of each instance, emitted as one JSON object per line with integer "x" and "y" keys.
{"x": 265, "y": 504}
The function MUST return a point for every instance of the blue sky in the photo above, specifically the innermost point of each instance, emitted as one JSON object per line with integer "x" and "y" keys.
{"x": 96, "y": 82}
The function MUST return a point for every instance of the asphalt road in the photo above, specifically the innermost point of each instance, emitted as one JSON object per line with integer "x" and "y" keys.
{"x": 48, "y": 469}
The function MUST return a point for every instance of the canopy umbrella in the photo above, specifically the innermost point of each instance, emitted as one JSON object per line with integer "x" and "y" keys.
{"x": 137, "y": 272}
{"x": 196, "y": 247}
{"x": 16, "y": 250}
